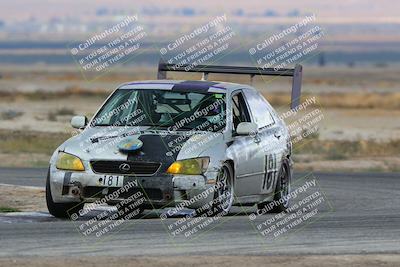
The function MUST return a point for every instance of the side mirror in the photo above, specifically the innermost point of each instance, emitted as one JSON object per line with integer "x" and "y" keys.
{"x": 79, "y": 122}
{"x": 247, "y": 128}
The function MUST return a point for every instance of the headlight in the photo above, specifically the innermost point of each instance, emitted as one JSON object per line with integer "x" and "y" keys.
{"x": 67, "y": 161}
{"x": 189, "y": 166}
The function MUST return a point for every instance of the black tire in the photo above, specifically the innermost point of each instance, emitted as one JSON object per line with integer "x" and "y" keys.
{"x": 282, "y": 189}
{"x": 60, "y": 210}
{"x": 224, "y": 195}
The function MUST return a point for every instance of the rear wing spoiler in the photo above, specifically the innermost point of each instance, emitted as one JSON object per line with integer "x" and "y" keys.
{"x": 296, "y": 73}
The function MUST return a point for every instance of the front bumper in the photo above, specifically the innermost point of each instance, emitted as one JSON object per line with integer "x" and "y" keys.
{"x": 160, "y": 190}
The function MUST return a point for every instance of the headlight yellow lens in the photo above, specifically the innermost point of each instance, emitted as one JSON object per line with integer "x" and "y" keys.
{"x": 67, "y": 161}
{"x": 189, "y": 166}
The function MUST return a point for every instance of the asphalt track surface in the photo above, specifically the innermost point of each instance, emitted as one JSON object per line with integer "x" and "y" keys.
{"x": 360, "y": 213}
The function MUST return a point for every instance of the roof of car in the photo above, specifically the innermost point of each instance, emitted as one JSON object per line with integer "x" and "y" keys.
{"x": 185, "y": 85}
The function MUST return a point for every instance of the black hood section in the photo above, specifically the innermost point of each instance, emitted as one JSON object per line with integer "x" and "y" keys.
{"x": 159, "y": 148}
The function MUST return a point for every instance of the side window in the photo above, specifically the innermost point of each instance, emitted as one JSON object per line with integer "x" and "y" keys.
{"x": 239, "y": 110}
{"x": 260, "y": 109}
{"x": 271, "y": 109}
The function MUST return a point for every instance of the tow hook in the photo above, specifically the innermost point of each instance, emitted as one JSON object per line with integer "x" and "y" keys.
{"x": 75, "y": 191}
{"x": 76, "y": 188}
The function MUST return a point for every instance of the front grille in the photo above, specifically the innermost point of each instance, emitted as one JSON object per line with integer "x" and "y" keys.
{"x": 96, "y": 192}
{"x": 120, "y": 167}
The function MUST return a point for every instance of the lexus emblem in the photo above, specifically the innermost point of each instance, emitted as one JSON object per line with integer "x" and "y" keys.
{"x": 125, "y": 167}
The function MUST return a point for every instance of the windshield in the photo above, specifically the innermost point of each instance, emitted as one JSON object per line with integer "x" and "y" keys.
{"x": 163, "y": 109}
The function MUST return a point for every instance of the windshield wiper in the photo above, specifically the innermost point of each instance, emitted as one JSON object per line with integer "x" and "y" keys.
{"x": 106, "y": 137}
{"x": 102, "y": 124}
{"x": 169, "y": 125}
{"x": 153, "y": 127}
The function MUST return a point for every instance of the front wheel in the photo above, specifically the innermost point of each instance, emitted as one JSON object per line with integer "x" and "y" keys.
{"x": 60, "y": 210}
{"x": 224, "y": 192}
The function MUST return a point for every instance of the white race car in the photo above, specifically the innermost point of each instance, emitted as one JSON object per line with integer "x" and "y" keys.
{"x": 197, "y": 144}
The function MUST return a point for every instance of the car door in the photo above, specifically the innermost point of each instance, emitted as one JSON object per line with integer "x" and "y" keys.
{"x": 248, "y": 162}
{"x": 271, "y": 141}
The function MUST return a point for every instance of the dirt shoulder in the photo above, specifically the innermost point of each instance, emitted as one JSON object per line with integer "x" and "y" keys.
{"x": 22, "y": 198}
{"x": 231, "y": 261}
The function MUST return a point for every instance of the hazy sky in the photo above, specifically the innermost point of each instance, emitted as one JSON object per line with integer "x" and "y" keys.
{"x": 345, "y": 9}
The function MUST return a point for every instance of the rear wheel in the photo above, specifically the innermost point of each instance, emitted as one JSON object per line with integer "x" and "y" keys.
{"x": 282, "y": 191}
{"x": 60, "y": 210}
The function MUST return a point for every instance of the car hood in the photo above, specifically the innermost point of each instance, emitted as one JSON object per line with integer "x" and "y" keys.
{"x": 101, "y": 143}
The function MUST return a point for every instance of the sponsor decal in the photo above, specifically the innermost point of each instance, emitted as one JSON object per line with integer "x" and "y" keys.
{"x": 130, "y": 144}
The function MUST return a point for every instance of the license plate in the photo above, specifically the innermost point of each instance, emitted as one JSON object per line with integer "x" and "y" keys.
{"x": 111, "y": 180}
